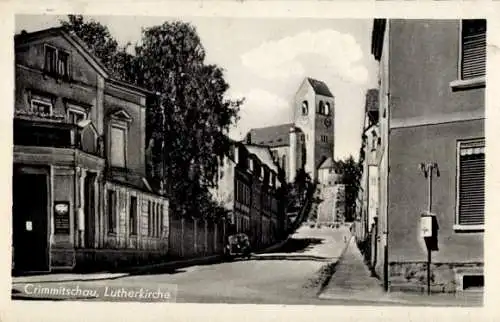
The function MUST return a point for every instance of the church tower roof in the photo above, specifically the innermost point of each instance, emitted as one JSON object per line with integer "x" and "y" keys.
{"x": 319, "y": 87}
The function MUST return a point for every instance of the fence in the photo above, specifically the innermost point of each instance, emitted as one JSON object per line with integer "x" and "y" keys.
{"x": 190, "y": 238}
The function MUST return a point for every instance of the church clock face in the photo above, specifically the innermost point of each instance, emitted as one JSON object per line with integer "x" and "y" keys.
{"x": 328, "y": 123}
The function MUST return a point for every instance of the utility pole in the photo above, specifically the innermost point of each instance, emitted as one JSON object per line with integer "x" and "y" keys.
{"x": 428, "y": 170}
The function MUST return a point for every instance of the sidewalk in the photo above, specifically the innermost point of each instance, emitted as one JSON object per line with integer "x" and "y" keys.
{"x": 352, "y": 281}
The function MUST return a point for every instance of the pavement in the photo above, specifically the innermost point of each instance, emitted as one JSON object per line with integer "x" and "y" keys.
{"x": 352, "y": 281}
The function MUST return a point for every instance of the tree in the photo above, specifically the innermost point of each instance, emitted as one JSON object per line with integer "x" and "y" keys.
{"x": 101, "y": 43}
{"x": 350, "y": 173}
{"x": 297, "y": 190}
{"x": 189, "y": 118}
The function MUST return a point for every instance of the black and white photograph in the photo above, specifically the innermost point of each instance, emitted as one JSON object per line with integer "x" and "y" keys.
{"x": 249, "y": 160}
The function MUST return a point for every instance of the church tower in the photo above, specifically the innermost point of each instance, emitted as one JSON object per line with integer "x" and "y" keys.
{"x": 314, "y": 115}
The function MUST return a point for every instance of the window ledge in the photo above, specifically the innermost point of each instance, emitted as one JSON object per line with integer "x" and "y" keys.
{"x": 468, "y": 228}
{"x": 461, "y": 84}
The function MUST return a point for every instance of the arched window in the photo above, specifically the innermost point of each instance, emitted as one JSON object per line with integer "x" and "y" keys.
{"x": 305, "y": 108}
{"x": 321, "y": 107}
{"x": 327, "y": 109}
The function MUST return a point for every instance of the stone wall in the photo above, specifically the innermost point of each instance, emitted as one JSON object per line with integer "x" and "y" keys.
{"x": 412, "y": 276}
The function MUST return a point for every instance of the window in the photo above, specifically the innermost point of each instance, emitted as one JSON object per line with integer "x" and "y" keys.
{"x": 470, "y": 184}
{"x": 150, "y": 218}
{"x": 158, "y": 224}
{"x": 305, "y": 108}
{"x": 274, "y": 155}
{"x": 41, "y": 106}
{"x": 62, "y": 63}
{"x": 374, "y": 141}
{"x": 50, "y": 59}
{"x": 161, "y": 220}
{"x": 321, "y": 108}
{"x": 473, "y": 49}
{"x": 133, "y": 215}
{"x": 56, "y": 61}
{"x": 111, "y": 211}
{"x": 76, "y": 117}
{"x": 118, "y": 145}
{"x": 327, "y": 109}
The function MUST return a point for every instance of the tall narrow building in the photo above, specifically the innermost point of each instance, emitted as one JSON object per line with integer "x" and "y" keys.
{"x": 307, "y": 142}
{"x": 314, "y": 115}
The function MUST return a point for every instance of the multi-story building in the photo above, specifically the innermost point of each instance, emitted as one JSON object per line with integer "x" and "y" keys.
{"x": 432, "y": 96}
{"x": 251, "y": 189}
{"x": 80, "y": 192}
{"x": 369, "y": 180}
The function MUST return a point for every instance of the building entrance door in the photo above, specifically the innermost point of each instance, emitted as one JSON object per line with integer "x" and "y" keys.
{"x": 30, "y": 222}
{"x": 89, "y": 210}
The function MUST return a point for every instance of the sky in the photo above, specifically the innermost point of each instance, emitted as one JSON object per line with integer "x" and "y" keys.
{"x": 265, "y": 61}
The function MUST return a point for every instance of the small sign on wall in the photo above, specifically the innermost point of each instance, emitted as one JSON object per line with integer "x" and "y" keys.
{"x": 426, "y": 226}
{"x": 61, "y": 218}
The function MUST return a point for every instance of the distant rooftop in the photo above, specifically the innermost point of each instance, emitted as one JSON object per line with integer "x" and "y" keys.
{"x": 271, "y": 136}
{"x": 264, "y": 155}
{"x": 327, "y": 164}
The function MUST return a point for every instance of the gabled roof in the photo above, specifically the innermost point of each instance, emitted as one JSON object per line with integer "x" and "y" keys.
{"x": 271, "y": 136}
{"x": 81, "y": 47}
{"x": 319, "y": 87}
{"x": 25, "y": 37}
{"x": 264, "y": 155}
{"x": 327, "y": 164}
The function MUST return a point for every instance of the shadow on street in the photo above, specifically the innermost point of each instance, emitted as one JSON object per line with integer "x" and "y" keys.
{"x": 298, "y": 245}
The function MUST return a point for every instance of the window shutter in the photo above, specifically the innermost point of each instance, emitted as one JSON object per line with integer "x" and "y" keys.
{"x": 471, "y": 184}
{"x": 473, "y": 48}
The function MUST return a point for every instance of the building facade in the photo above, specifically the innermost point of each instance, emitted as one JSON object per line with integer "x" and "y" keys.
{"x": 80, "y": 193}
{"x": 369, "y": 192}
{"x": 432, "y": 88}
{"x": 251, "y": 189}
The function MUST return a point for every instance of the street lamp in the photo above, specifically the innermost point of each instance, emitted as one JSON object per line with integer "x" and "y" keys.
{"x": 428, "y": 219}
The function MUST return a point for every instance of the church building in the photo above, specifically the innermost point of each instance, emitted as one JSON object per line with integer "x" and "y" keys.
{"x": 308, "y": 142}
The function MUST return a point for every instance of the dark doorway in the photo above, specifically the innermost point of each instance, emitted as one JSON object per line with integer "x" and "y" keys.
{"x": 30, "y": 222}
{"x": 89, "y": 210}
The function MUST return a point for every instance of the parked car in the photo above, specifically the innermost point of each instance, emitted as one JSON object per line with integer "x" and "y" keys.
{"x": 238, "y": 245}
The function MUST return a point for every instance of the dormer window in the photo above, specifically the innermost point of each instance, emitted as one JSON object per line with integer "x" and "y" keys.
{"x": 56, "y": 61}
{"x": 305, "y": 108}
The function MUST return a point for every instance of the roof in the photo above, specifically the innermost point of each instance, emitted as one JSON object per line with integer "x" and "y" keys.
{"x": 319, "y": 87}
{"x": 327, "y": 164}
{"x": 271, "y": 136}
{"x": 83, "y": 49}
{"x": 264, "y": 155}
